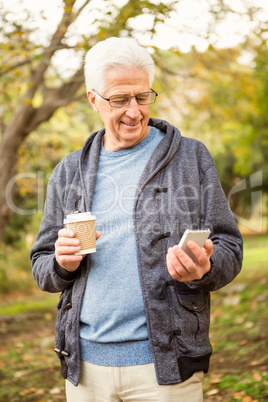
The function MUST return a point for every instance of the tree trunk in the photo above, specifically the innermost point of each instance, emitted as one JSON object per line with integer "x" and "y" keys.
{"x": 11, "y": 141}
{"x": 27, "y": 118}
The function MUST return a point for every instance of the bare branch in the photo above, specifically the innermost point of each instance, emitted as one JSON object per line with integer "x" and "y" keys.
{"x": 67, "y": 19}
{"x": 83, "y": 6}
{"x": 28, "y": 60}
{"x": 2, "y": 127}
{"x": 55, "y": 98}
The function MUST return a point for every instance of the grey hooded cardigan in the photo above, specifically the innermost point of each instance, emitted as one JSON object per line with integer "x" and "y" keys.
{"x": 179, "y": 189}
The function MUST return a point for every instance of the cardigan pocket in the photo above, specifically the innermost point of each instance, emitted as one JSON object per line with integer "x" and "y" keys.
{"x": 193, "y": 318}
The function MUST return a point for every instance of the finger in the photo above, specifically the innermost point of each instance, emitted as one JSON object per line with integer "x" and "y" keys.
{"x": 66, "y": 259}
{"x": 181, "y": 263}
{"x": 98, "y": 234}
{"x": 175, "y": 254}
{"x": 181, "y": 275}
{"x": 66, "y": 233}
{"x": 208, "y": 247}
{"x": 184, "y": 259}
{"x": 67, "y": 245}
{"x": 195, "y": 249}
{"x": 190, "y": 269}
{"x": 70, "y": 263}
{"x": 202, "y": 259}
{"x": 182, "y": 267}
{"x": 171, "y": 269}
{"x": 67, "y": 250}
{"x": 67, "y": 241}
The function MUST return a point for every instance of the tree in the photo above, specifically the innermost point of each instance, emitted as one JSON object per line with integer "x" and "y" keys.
{"x": 32, "y": 90}
{"x": 30, "y": 63}
{"x": 227, "y": 105}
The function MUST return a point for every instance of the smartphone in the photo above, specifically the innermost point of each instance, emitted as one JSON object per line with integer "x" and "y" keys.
{"x": 198, "y": 236}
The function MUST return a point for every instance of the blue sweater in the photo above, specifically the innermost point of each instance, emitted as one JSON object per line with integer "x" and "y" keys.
{"x": 113, "y": 323}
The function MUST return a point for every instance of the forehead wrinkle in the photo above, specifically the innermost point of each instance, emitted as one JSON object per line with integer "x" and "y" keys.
{"x": 127, "y": 83}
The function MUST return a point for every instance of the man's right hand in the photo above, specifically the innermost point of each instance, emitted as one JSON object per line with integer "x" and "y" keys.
{"x": 65, "y": 247}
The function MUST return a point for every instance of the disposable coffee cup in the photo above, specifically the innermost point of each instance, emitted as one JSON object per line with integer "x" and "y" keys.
{"x": 83, "y": 225}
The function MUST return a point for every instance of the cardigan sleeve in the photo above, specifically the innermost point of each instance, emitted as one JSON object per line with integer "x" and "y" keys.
{"x": 226, "y": 261}
{"x": 48, "y": 274}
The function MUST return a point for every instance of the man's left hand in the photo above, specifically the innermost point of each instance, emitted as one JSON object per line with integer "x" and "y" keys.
{"x": 182, "y": 268}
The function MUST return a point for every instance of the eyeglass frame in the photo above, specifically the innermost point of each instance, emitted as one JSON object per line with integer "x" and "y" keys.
{"x": 130, "y": 96}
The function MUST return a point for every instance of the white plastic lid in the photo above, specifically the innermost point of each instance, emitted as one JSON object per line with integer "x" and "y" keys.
{"x": 79, "y": 217}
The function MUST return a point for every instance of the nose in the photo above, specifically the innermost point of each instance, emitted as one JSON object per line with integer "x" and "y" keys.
{"x": 133, "y": 110}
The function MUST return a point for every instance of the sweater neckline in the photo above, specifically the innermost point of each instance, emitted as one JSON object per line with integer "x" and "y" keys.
{"x": 123, "y": 152}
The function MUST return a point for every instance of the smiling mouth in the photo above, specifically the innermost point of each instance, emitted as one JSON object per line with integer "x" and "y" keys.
{"x": 130, "y": 125}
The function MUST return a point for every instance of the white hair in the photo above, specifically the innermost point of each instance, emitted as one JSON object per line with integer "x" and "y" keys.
{"x": 117, "y": 53}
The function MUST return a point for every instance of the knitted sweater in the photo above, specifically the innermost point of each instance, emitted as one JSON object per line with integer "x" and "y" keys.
{"x": 113, "y": 327}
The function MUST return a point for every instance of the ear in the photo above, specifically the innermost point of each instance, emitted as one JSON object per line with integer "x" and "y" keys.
{"x": 93, "y": 100}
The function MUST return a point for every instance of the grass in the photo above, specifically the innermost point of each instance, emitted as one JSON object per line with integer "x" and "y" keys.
{"x": 239, "y": 364}
{"x": 30, "y": 372}
{"x": 35, "y": 303}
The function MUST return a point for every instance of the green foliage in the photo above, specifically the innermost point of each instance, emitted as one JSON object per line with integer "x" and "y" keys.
{"x": 226, "y": 107}
{"x": 15, "y": 271}
{"x": 232, "y": 106}
{"x": 210, "y": 95}
{"x": 5, "y": 283}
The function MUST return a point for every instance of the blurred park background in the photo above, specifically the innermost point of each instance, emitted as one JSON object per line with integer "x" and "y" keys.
{"x": 212, "y": 79}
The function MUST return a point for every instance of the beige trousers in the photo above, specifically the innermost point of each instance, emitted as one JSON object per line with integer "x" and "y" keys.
{"x": 132, "y": 384}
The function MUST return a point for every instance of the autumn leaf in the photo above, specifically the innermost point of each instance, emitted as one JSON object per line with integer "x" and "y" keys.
{"x": 212, "y": 392}
{"x": 257, "y": 376}
{"x": 28, "y": 391}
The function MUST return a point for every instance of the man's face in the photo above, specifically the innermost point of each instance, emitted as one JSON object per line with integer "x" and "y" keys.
{"x": 128, "y": 125}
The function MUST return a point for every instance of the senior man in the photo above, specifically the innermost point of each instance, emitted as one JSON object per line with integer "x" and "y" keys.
{"x": 133, "y": 317}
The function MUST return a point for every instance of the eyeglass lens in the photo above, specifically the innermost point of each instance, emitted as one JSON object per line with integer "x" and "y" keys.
{"x": 144, "y": 98}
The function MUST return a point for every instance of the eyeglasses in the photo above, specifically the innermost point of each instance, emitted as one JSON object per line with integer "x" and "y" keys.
{"x": 121, "y": 100}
